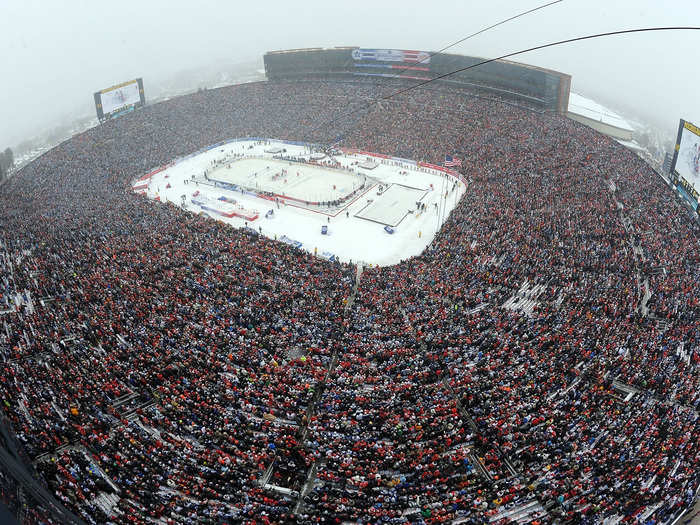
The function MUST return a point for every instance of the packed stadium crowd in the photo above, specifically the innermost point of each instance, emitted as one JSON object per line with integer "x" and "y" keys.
{"x": 538, "y": 363}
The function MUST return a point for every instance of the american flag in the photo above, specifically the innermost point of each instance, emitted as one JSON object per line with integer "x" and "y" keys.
{"x": 451, "y": 162}
{"x": 392, "y": 55}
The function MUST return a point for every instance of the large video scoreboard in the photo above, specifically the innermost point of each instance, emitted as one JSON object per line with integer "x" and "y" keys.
{"x": 119, "y": 99}
{"x": 686, "y": 162}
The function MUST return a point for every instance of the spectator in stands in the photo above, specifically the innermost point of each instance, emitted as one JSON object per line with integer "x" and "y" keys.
{"x": 158, "y": 365}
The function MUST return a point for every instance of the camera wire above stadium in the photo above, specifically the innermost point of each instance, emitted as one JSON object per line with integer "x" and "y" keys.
{"x": 480, "y": 31}
{"x": 502, "y": 57}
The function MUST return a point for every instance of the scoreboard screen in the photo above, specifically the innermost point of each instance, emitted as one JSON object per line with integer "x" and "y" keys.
{"x": 120, "y": 98}
{"x": 686, "y": 160}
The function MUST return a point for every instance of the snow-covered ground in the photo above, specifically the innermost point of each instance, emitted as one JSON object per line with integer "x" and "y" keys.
{"x": 593, "y": 110}
{"x": 355, "y": 227}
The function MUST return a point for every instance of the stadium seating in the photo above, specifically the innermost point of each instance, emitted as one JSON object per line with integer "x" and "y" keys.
{"x": 161, "y": 365}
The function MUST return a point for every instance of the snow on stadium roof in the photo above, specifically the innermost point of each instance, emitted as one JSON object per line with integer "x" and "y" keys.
{"x": 632, "y": 145}
{"x": 590, "y": 109}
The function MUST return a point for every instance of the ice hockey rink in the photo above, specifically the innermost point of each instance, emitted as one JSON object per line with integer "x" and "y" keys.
{"x": 349, "y": 236}
{"x": 298, "y": 181}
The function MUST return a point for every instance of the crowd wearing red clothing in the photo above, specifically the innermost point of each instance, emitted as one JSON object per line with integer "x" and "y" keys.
{"x": 185, "y": 370}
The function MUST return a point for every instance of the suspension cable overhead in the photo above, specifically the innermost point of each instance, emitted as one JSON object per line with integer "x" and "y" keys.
{"x": 536, "y": 48}
{"x": 480, "y": 31}
{"x": 375, "y": 101}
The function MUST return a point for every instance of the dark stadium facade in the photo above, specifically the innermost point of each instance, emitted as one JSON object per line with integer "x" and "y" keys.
{"x": 542, "y": 88}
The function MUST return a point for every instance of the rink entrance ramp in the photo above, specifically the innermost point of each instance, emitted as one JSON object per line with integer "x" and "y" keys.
{"x": 393, "y": 205}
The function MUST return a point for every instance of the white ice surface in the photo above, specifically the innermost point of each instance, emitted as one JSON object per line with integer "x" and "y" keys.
{"x": 349, "y": 237}
{"x": 302, "y": 181}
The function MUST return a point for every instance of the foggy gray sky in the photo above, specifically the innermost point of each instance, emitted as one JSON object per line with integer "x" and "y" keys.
{"x": 56, "y": 53}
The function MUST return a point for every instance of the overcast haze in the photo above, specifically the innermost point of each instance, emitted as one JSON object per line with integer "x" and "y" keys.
{"x": 57, "y": 53}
